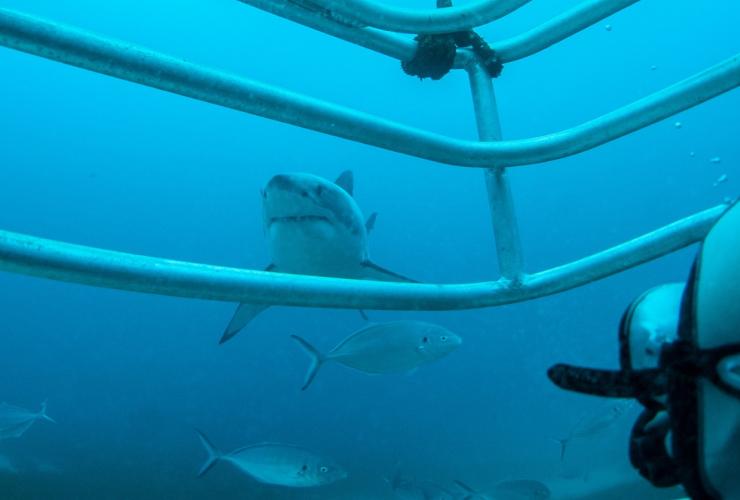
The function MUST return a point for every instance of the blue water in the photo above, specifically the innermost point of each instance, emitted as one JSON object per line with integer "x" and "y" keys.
{"x": 92, "y": 160}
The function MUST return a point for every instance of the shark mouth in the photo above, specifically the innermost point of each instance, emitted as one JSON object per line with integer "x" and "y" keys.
{"x": 299, "y": 218}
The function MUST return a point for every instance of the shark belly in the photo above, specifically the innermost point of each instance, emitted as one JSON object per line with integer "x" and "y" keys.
{"x": 317, "y": 248}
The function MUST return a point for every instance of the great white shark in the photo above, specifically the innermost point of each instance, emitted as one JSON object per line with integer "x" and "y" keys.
{"x": 313, "y": 226}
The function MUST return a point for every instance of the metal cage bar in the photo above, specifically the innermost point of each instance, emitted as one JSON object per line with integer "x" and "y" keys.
{"x": 525, "y": 44}
{"x": 132, "y": 63}
{"x": 404, "y": 20}
{"x": 500, "y": 200}
{"x": 104, "y": 268}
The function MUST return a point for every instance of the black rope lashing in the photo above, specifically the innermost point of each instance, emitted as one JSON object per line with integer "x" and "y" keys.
{"x": 435, "y": 54}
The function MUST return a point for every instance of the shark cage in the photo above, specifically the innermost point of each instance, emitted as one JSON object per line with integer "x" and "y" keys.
{"x": 376, "y": 27}
{"x": 373, "y": 26}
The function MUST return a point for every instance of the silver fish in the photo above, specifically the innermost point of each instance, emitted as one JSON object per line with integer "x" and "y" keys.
{"x": 397, "y": 346}
{"x": 405, "y": 488}
{"x": 596, "y": 422}
{"x": 278, "y": 464}
{"x": 313, "y": 226}
{"x": 14, "y": 421}
{"x": 521, "y": 489}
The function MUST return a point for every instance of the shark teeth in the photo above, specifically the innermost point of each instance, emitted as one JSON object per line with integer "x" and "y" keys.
{"x": 299, "y": 218}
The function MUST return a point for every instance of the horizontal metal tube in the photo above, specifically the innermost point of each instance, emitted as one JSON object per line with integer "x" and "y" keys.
{"x": 403, "y": 20}
{"x": 149, "y": 68}
{"x": 104, "y": 268}
{"x": 558, "y": 28}
{"x": 128, "y": 62}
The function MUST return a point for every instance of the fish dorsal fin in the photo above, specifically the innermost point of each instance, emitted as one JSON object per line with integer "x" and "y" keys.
{"x": 346, "y": 181}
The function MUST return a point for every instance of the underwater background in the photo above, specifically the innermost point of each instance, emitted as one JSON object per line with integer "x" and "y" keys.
{"x": 89, "y": 159}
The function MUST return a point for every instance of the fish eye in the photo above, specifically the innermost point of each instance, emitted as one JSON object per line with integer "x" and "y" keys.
{"x": 324, "y": 468}
{"x": 425, "y": 339}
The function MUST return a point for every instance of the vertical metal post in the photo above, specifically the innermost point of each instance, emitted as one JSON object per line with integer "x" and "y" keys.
{"x": 503, "y": 217}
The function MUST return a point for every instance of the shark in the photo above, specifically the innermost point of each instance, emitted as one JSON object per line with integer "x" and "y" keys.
{"x": 313, "y": 226}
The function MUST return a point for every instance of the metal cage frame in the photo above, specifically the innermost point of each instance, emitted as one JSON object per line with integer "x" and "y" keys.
{"x": 368, "y": 27}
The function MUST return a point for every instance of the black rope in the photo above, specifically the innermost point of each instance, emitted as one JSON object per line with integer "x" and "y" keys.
{"x": 435, "y": 54}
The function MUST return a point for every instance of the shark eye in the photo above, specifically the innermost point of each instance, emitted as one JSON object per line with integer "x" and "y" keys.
{"x": 324, "y": 468}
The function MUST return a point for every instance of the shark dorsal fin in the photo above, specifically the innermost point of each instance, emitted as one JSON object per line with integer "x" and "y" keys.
{"x": 346, "y": 181}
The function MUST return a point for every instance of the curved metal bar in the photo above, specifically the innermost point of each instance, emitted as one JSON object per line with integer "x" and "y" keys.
{"x": 511, "y": 49}
{"x": 104, "y": 268}
{"x": 558, "y": 28}
{"x": 379, "y": 41}
{"x": 433, "y": 20}
{"x": 128, "y": 62}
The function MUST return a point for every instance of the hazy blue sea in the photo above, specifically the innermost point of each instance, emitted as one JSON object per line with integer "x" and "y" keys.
{"x": 92, "y": 160}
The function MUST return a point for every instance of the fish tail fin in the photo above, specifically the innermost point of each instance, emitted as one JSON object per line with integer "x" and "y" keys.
{"x": 242, "y": 316}
{"x": 43, "y": 415}
{"x": 464, "y": 486}
{"x": 563, "y": 442}
{"x": 214, "y": 455}
{"x": 317, "y": 359}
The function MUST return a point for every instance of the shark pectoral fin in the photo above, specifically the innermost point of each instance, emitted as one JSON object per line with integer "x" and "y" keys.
{"x": 244, "y": 313}
{"x": 346, "y": 181}
{"x": 372, "y": 271}
{"x": 242, "y": 316}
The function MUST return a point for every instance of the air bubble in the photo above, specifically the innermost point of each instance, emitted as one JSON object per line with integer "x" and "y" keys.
{"x": 692, "y": 154}
{"x": 653, "y": 67}
{"x": 678, "y": 124}
{"x": 722, "y": 178}
{"x": 608, "y": 27}
{"x": 715, "y": 160}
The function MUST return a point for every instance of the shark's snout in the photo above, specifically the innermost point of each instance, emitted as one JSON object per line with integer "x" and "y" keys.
{"x": 286, "y": 183}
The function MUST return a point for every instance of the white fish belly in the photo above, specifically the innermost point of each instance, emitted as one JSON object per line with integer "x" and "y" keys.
{"x": 314, "y": 247}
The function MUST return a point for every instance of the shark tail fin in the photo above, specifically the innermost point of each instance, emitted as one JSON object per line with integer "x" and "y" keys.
{"x": 317, "y": 359}
{"x": 213, "y": 454}
{"x": 42, "y": 413}
{"x": 244, "y": 313}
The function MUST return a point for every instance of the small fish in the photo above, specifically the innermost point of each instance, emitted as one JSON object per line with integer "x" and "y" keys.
{"x": 405, "y": 488}
{"x": 521, "y": 489}
{"x": 278, "y": 464}
{"x": 14, "y": 421}
{"x": 470, "y": 493}
{"x": 394, "y": 347}
{"x": 596, "y": 422}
